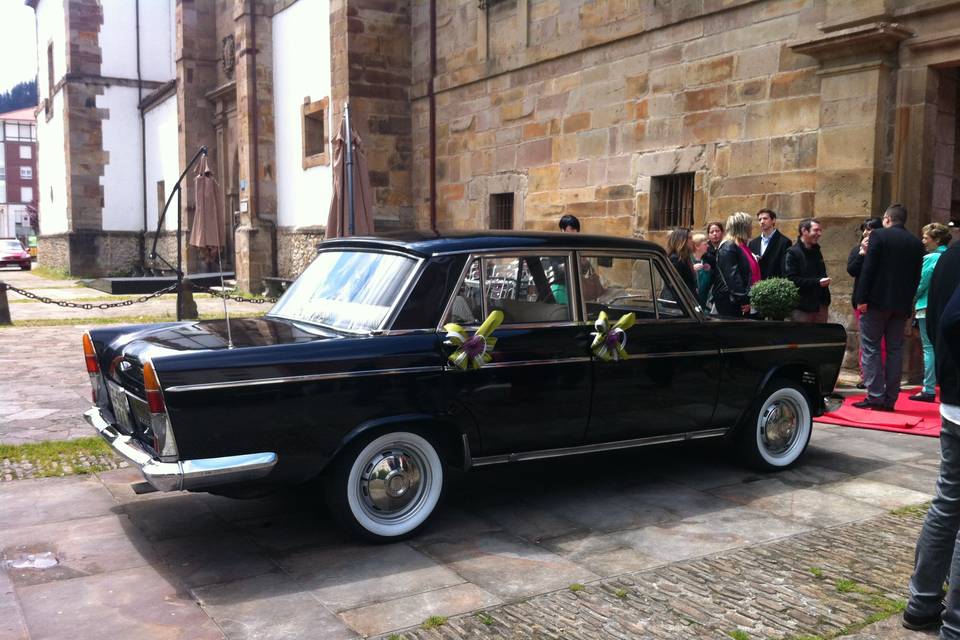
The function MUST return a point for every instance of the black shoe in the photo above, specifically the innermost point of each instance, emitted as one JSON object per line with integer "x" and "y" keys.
{"x": 861, "y": 385}
{"x": 866, "y": 403}
{"x": 920, "y": 623}
{"x": 883, "y": 407}
{"x": 924, "y": 397}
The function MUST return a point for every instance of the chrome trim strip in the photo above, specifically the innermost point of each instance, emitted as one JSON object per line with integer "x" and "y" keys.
{"x": 524, "y": 363}
{"x": 183, "y": 474}
{"x": 782, "y": 347}
{"x": 307, "y": 378}
{"x": 674, "y": 354}
{"x": 595, "y": 448}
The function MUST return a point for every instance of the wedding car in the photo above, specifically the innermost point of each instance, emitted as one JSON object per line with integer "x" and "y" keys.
{"x": 391, "y": 360}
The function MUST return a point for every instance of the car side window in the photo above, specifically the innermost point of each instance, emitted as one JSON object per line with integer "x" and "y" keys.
{"x": 669, "y": 305}
{"x": 617, "y": 285}
{"x": 467, "y": 307}
{"x": 528, "y": 288}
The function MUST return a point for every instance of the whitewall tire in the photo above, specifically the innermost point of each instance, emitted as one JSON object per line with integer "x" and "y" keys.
{"x": 385, "y": 488}
{"x": 779, "y": 428}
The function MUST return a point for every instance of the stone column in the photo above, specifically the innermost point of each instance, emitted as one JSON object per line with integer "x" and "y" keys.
{"x": 197, "y": 57}
{"x": 256, "y": 235}
{"x": 854, "y": 143}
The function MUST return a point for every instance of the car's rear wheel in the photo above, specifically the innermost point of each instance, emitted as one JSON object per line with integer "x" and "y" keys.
{"x": 385, "y": 487}
{"x": 778, "y": 429}
{"x": 25, "y": 267}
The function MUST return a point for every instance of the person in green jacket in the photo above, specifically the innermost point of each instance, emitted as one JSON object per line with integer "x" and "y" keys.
{"x": 935, "y": 238}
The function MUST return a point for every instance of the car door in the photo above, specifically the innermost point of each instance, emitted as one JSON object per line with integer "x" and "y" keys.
{"x": 534, "y": 393}
{"x": 668, "y": 384}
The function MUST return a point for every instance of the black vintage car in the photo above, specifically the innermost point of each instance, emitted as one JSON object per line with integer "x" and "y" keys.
{"x": 391, "y": 358}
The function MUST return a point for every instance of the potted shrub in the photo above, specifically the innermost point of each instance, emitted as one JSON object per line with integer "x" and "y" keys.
{"x": 774, "y": 298}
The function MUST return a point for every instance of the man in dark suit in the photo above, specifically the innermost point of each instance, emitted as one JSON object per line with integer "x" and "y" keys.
{"x": 770, "y": 245}
{"x": 884, "y": 296}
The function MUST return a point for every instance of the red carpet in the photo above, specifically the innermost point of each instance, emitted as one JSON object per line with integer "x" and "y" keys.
{"x": 918, "y": 418}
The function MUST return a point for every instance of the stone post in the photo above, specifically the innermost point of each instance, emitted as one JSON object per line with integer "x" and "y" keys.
{"x": 4, "y": 305}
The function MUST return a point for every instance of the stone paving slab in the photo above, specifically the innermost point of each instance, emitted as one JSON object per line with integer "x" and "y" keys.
{"x": 731, "y": 557}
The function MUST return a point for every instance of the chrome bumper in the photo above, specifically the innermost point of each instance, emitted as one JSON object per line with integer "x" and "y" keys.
{"x": 184, "y": 474}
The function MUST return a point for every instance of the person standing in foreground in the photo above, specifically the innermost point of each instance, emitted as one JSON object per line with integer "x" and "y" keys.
{"x": 804, "y": 266}
{"x": 935, "y": 239}
{"x": 888, "y": 282}
{"x": 937, "y": 549}
{"x": 770, "y": 245}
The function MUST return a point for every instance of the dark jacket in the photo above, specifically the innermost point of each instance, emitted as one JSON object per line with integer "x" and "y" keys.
{"x": 771, "y": 262}
{"x": 943, "y": 323}
{"x": 891, "y": 271}
{"x": 854, "y": 266}
{"x": 804, "y": 267}
{"x": 731, "y": 283}
{"x": 685, "y": 269}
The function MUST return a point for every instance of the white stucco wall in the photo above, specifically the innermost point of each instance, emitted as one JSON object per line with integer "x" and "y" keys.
{"x": 162, "y": 158}
{"x": 52, "y": 171}
{"x": 303, "y": 196}
{"x": 121, "y": 180}
{"x": 51, "y": 29}
{"x": 118, "y": 39}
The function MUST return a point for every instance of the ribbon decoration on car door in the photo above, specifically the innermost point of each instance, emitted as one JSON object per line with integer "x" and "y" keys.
{"x": 473, "y": 352}
{"x": 609, "y": 343}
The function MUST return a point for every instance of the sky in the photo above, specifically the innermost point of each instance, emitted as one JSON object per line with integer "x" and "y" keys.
{"x": 18, "y": 48}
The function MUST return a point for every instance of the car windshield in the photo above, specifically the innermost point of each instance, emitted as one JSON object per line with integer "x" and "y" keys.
{"x": 10, "y": 245}
{"x": 347, "y": 290}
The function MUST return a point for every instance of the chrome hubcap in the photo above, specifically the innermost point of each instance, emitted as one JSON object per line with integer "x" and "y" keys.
{"x": 392, "y": 484}
{"x": 780, "y": 426}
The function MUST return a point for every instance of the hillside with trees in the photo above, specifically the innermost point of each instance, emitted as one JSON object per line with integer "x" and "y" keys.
{"x": 21, "y": 96}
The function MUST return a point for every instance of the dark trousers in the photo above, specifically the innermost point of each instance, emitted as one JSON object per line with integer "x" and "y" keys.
{"x": 882, "y": 379}
{"x": 937, "y": 550}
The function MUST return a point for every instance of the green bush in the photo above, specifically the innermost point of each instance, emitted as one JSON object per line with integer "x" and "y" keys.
{"x": 774, "y": 298}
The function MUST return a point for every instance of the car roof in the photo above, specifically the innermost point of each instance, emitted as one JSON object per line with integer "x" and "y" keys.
{"x": 428, "y": 243}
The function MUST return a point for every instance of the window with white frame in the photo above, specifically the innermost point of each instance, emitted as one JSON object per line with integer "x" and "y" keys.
{"x": 26, "y": 194}
{"x": 26, "y": 173}
{"x": 26, "y": 152}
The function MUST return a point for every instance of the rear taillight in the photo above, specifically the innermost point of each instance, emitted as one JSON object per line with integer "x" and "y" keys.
{"x": 90, "y": 355}
{"x": 163, "y": 440}
{"x": 93, "y": 367}
{"x": 151, "y": 387}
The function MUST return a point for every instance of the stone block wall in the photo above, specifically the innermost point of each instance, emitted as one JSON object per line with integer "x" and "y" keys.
{"x": 296, "y": 249}
{"x": 90, "y": 253}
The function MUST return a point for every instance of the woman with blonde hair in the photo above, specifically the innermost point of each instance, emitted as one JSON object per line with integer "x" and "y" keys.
{"x": 935, "y": 238}
{"x": 680, "y": 252}
{"x": 737, "y": 268}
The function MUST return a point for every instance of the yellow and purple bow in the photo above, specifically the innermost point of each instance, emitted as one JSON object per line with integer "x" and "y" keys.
{"x": 473, "y": 351}
{"x": 609, "y": 343}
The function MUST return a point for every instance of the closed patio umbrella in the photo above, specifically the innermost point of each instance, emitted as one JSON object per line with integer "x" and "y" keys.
{"x": 338, "y": 221}
{"x": 208, "y": 225}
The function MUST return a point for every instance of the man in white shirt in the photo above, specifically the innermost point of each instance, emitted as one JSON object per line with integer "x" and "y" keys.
{"x": 770, "y": 246}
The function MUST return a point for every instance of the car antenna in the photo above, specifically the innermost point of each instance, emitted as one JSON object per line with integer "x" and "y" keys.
{"x": 223, "y": 296}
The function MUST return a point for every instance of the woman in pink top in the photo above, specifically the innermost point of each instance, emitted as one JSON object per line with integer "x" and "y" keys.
{"x": 737, "y": 268}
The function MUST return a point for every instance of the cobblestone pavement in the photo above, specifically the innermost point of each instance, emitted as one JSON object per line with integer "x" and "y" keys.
{"x": 699, "y": 547}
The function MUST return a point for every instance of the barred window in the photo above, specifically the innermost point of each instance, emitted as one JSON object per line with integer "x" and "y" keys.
{"x": 501, "y": 211}
{"x": 671, "y": 199}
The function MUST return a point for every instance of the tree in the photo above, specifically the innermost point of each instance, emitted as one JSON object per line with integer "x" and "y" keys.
{"x": 23, "y": 95}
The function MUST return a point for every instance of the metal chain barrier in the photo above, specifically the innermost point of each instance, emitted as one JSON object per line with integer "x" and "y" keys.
{"x": 88, "y": 305}
{"x": 227, "y": 296}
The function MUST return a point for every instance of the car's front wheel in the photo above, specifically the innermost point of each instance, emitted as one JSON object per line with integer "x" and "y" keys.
{"x": 779, "y": 428}
{"x": 384, "y": 488}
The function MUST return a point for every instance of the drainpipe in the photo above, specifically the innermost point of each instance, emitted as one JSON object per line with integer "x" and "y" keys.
{"x": 431, "y": 97}
{"x": 143, "y": 147}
